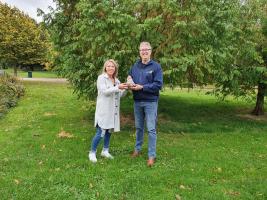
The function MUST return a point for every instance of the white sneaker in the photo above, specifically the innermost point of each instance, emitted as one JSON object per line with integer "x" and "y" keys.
{"x": 106, "y": 154}
{"x": 92, "y": 157}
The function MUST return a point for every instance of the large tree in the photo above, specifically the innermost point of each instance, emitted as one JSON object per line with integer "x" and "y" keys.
{"x": 198, "y": 42}
{"x": 262, "y": 78}
{"x": 245, "y": 71}
{"x": 22, "y": 40}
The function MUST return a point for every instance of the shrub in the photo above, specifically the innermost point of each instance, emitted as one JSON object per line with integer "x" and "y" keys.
{"x": 11, "y": 90}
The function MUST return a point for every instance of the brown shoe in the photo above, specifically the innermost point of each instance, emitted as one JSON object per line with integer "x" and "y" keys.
{"x": 135, "y": 154}
{"x": 150, "y": 162}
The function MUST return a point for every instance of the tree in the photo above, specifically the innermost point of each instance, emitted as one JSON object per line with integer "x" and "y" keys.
{"x": 198, "y": 42}
{"x": 262, "y": 81}
{"x": 81, "y": 49}
{"x": 22, "y": 41}
{"x": 246, "y": 69}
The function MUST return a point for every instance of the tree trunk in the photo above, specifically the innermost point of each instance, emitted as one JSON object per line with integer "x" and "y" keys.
{"x": 259, "y": 108}
{"x": 16, "y": 70}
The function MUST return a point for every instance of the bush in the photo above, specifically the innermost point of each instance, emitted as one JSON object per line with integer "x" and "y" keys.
{"x": 11, "y": 90}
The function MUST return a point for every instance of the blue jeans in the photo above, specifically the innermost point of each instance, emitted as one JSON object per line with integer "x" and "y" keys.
{"x": 146, "y": 111}
{"x": 99, "y": 134}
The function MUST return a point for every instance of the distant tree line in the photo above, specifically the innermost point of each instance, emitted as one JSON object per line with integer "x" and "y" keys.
{"x": 23, "y": 42}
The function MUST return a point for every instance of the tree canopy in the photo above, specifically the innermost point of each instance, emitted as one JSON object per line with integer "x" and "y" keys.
{"x": 197, "y": 42}
{"x": 22, "y": 40}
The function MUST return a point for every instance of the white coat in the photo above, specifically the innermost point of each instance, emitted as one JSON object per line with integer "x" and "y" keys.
{"x": 107, "y": 114}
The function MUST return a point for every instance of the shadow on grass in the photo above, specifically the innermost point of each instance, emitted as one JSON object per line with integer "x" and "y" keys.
{"x": 200, "y": 114}
{"x": 183, "y": 113}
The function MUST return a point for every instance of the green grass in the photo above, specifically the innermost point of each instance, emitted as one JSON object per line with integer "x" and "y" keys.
{"x": 205, "y": 149}
{"x": 35, "y": 74}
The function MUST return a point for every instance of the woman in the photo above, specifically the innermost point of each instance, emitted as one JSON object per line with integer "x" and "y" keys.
{"x": 107, "y": 118}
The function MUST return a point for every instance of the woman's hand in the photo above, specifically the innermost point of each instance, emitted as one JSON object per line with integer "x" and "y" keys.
{"x": 123, "y": 86}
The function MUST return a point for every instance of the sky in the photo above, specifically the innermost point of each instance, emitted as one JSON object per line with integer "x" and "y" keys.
{"x": 30, "y": 6}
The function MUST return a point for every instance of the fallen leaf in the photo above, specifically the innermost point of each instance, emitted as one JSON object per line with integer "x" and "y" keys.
{"x": 49, "y": 114}
{"x": 213, "y": 181}
{"x": 182, "y": 133}
{"x": 17, "y": 181}
{"x": 64, "y": 134}
{"x": 178, "y": 197}
{"x": 219, "y": 169}
{"x": 233, "y": 193}
{"x": 182, "y": 187}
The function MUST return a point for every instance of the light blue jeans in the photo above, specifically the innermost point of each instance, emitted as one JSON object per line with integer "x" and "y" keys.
{"x": 146, "y": 111}
{"x": 98, "y": 136}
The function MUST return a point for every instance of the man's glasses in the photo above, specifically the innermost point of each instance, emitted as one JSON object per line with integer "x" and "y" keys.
{"x": 141, "y": 50}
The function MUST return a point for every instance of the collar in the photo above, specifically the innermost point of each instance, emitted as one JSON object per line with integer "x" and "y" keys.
{"x": 149, "y": 63}
{"x": 107, "y": 77}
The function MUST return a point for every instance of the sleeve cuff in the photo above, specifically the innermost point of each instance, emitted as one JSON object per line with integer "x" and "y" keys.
{"x": 144, "y": 88}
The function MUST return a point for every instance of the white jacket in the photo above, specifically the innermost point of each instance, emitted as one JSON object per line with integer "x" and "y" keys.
{"x": 107, "y": 114}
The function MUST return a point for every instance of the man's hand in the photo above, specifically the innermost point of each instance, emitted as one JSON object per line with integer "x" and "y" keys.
{"x": 137, "y": 87}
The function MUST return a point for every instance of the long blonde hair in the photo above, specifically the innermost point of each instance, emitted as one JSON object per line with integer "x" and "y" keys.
{"x": 114, "y": 63}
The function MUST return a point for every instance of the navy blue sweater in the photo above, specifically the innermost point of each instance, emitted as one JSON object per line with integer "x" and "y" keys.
{"x": 150, "y": 77}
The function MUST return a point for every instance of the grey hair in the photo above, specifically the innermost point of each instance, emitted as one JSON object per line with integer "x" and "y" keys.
{"x": 145, "y": 43}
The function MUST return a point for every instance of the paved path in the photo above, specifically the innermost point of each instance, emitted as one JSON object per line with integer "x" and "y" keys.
{"x": 51, "y": 80}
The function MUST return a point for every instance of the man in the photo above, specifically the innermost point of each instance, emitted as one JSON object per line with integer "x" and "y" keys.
{"x": 147, "y": 77}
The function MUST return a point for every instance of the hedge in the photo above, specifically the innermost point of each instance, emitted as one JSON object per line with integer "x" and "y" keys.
{"x": 11, "y": 90}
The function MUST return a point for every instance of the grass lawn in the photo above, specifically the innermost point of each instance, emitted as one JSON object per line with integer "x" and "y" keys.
{"x": 206, "y": 150}
{"x": 35, "y": 74}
